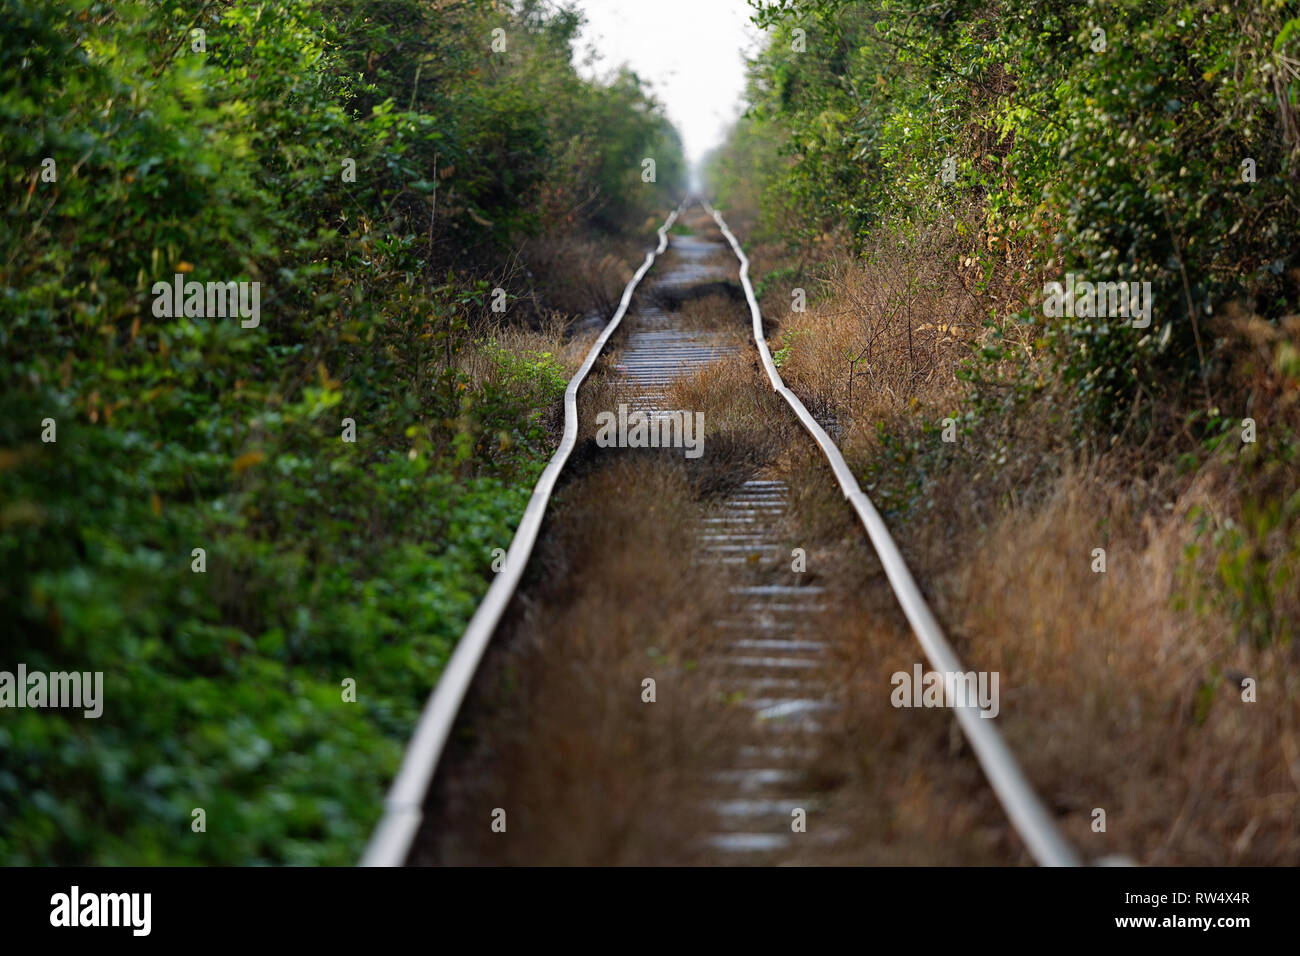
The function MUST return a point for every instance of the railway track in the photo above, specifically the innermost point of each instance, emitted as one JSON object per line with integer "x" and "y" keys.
{"x": 763, "y": 646}
{"x": 769, "y": 656}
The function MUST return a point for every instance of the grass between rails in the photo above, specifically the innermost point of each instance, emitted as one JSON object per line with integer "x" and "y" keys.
{"x": 555, "y": 731}
{"x": 898, "y": 786}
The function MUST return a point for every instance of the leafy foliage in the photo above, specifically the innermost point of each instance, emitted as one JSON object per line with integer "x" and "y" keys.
{"x": 325, "y": 560}
{"x": 1108, "y": 140}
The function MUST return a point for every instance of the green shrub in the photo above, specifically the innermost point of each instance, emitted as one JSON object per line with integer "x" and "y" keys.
{"x": 1116, "y": 156}
{"x": 326, "y": 560}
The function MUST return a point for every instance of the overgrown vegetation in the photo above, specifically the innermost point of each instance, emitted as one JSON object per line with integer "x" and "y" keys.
{"x": 1013, "y": 143}
{"x": 922, "y": 170}
{"x": 380, "y": 167}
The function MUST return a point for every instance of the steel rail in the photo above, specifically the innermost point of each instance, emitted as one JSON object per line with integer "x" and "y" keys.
{"x": 1025, "y": 811}
{"x": 390, "y": 843}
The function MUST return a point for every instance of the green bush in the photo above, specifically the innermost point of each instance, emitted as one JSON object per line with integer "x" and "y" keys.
{"x": 1117, "y": 156}
{"x": 326, "y": 560}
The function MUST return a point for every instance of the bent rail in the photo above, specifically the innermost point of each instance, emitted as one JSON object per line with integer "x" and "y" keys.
{"x": 403, "y": 807}
{"x": 1023, "y": 808}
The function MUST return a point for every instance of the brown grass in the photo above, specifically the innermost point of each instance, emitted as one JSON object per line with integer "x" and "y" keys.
{"x": 552, "y": 337}
{"x": 1120, "y": 701}
{"x": 1121, "y": 689}
{"x": 575, "y": 275}
{"x": 587, "y": 771}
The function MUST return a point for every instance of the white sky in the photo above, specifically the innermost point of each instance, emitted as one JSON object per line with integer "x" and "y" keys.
{"x": 691, "y": 52}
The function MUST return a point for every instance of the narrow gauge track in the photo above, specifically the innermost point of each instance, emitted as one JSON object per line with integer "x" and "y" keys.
{"x": 763, "y": 646}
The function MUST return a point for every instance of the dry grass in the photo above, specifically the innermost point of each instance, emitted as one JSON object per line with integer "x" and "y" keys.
{"x": 552, "y": 338}
{"x": 1115, "y": 699}
{"x": 576, "y": 276}
{"x": 557, "y": 734}
{"x": 587, "y": 771}
{"x": 556, "y": 731}
{"x": 1116, "y": 695}
{"x": 882, "y": 337}
{"x": 713, "y": 307}
{"x": 899, "y": 786}
{"x": 731, "y": 395}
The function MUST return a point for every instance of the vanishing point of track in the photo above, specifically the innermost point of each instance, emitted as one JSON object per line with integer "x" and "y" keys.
{"x": 771, "y": 659}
